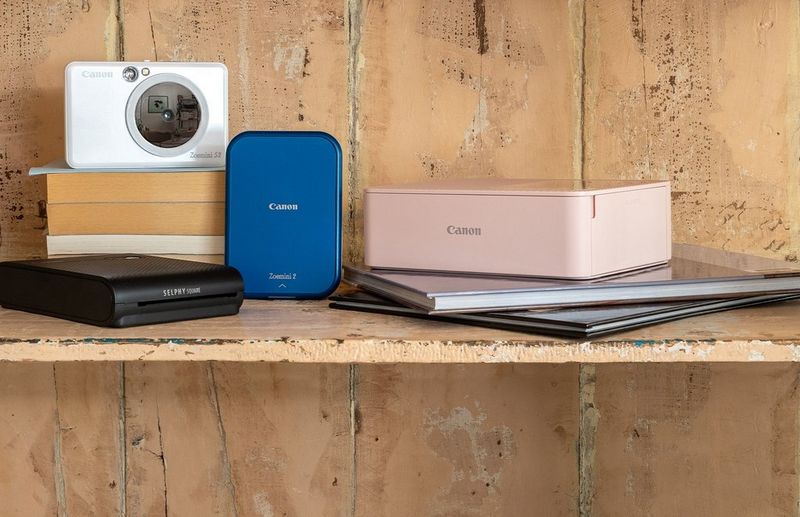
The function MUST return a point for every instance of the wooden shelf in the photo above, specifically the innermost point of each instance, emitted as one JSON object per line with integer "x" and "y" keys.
{"x": 310, "y": 332}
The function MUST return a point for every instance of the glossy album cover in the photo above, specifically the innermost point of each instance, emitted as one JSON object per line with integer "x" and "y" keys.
{"x": 693, "y": 273}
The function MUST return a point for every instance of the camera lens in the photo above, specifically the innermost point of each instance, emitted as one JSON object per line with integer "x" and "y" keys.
{"x": 167, "y": 114}
{"x": 129, "y": 73}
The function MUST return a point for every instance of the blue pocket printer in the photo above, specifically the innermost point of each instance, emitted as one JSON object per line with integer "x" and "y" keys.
{"x": 283, "y": 215}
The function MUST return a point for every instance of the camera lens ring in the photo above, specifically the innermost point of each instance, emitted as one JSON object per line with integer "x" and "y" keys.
{"x": 130, "y": 74}
{"x": 130, "y": 114}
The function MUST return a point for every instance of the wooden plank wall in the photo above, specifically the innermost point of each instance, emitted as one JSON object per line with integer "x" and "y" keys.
{"x": 703, "y": 93}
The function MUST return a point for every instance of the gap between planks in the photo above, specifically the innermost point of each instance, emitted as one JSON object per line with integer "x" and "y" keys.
{"x": 577, "y": 13}
{"x": 58, "y": 461}
{"x": 588, "y": 415}
{"x": 587, "y": 429}
{"x": 354, "y": 428}
{"x": 226, "y": 463}
{"x": 122, "y": 444}
{"x": 353, "y": 28}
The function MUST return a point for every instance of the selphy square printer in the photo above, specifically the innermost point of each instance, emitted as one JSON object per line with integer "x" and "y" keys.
{"x": 120, "y": 290}
{"x": 579, "y": 229}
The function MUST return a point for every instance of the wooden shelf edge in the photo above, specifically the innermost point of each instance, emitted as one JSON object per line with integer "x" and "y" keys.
{"x": 398, "y": 351}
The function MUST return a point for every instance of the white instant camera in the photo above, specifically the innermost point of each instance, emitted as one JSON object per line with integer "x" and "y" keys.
{"x": 154, "y": 115}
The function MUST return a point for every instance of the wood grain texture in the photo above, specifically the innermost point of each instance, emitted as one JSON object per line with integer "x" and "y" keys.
{"x": 287, "y": 434}
{"x": 38, "y": 39}
{"x": 702, "y": 94}
{"x": 176, "y": 459}
{"x": 89, "y": 427}
{"x": 695, "y": 439}
{"x": 455, "y": 89}
{"x": 30, "y": 479}
{"x": 175, "y": 439}
{"x": 466, "y": 440}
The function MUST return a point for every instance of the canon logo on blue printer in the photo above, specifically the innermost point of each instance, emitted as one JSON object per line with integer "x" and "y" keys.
{"x": 282, "y": 207}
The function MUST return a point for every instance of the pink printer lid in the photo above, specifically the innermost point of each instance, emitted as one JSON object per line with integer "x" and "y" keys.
{"x": 517, "y": 187}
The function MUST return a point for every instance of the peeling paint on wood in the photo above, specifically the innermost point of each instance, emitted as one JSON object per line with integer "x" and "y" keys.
{"x": 38, "y": 39}
{"x": 466, "y": 440}
{"x": 665, "y": 100}
{"x": 261, "y": 333}
{"x": 589, "y": 418}
{"x": 354, "y": 184}
{"x": 287, "y": 63}
{"x": 383, "y": 351}
{"x": 700, "y": 439}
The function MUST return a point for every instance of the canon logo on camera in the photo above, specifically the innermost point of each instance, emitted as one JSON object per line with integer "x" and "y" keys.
{"x": 97, "y": 75}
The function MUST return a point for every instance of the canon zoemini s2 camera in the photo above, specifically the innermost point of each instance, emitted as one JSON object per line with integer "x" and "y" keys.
{"x": 123, "y": 115}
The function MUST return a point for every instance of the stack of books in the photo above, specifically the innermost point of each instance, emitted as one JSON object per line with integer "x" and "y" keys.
{"x": 696, "y": 281}
{"x": 152, "y": 212}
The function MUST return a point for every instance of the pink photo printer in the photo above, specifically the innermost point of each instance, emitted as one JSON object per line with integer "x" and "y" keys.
{"x": 551, "y": 228}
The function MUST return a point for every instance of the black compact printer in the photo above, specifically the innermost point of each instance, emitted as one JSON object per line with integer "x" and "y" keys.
{"x": 121, "y": 290}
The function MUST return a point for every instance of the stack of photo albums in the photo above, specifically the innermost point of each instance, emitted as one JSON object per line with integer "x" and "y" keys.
{"x": 134, "y": 211}
{"x": 407, "y": 252}
{"x": 681, "y": 289}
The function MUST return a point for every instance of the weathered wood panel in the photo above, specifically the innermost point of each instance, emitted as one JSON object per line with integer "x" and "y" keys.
{"x": 175, "y": 439}
{"x": 455, "y": 89}
{"x": 466, "y": 440}
{"x": 694, "y": 440}
{"x": 175, "y": 453}
{"x": 704, "y": 94}
{"x": 287, "y": 61}
{"x": 89, "y": 463}
{"x": 287, "y": 434}
{"x": 38, "y": 39}
{"x": 28, "y": 432}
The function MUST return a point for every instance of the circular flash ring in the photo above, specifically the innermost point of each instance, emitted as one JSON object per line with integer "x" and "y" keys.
{"x": 130, "y": 115}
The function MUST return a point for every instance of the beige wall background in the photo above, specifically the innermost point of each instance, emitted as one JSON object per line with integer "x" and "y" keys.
{"x": 704, "y": 93}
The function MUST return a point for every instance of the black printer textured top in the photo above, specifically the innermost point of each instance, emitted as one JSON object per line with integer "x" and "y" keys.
{"x": 123, "y": 267}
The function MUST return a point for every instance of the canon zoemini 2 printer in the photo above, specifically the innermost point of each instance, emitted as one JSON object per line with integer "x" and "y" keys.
{"x": 283, "y": 222}
{"x": 120, "y": 290}
{"x": 552, "y": 228}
